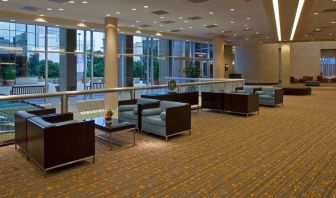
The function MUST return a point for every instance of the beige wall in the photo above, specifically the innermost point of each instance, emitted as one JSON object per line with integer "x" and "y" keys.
{"x": 258, "y": 63}
{"x": 305, "y": 59}
{"x": 218, "y": 52}
{"x": 262, "y": 63}
{"x": 228, "y": 58}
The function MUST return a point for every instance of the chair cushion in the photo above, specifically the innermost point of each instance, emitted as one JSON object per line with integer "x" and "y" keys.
{"x": 39, "y": 121}
{"x": 260, "y": 92}
{"x": 154, "y": 120}
{"x": 135, "y": 111}
{"x": 241, "y": 91}
{"x": 146, "y": 101}
{"x": 168, "y": 104}
{"x": 163, "y": 115}
{"x": 151, "y": 112}
{"x": 268, "y": 91}
{"x": 127, "y": 114}
{"x": 123, "y": 108}
{"x": 266, "y": 97}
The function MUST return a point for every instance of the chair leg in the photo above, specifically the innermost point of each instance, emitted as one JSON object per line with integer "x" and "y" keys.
{"x": 166, "y": 138}
{"x": 189, "y": 131}
{"x": 15, "y": 146}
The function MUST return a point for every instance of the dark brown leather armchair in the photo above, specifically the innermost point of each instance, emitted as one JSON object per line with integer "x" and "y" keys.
{"x": 21, "y": 125}
{"x": 57, "y": 140}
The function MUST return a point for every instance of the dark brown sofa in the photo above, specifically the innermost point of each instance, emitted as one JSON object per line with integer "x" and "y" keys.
{"x": 21, "y": 125}
{"x": 57, "y": 140}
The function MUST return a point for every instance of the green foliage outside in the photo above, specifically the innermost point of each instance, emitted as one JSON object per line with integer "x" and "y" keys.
{"x": 138, "y": 69}
{"x": 156, "y": 69}
{"x": 9, "y": 73}
{"x": 192, "y": 71}
{"x": 98, "y": 67}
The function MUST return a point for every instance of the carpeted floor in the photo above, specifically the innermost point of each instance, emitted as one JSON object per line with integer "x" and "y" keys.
{"x": 282, "y": 152}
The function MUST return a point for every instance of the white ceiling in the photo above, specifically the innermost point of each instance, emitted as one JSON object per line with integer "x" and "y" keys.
{"x": 95, "y": 11}
{"x": 261, "y": 26}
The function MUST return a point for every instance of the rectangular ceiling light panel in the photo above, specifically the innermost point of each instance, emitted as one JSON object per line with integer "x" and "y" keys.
{"x": 297, "y": 17}
{"x": 277, "y": 17}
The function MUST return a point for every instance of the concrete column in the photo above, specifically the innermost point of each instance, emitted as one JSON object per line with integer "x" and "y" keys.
{"x": 111, "y": 61}
{"x": 228, "y": 59}
{"x": 68, "y": 62}
{"x": 218, "y": 50}
{"x": 285, "y": 64}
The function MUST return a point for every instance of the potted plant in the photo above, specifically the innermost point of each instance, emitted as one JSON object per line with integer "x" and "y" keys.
{"x": 108, "y": 117}
{"x": 192, "y": 71}
{"x": 9, "y": 76}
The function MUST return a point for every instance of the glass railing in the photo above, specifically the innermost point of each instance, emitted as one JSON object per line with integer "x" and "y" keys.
{"x": 92, "y": 103}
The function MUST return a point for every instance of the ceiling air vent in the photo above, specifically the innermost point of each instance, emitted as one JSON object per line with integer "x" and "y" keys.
{"x": 160, "y": 12}
{"x": 167, "y": 22}
{"x": 330, "y": 10}
{"x": 211, "y": 26}
{"x": 145, "y": 25}
{"x": 247, "y": 30}
{"x": 175, "y": 30}
{"x": 30, "y": 8}
{"x": 58, "y": 1}
{"x": 198, "y": 1}
{"x": 193, "y": 18}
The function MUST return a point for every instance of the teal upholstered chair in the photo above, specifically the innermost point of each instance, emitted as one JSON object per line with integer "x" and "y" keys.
{"x": 170, "y": 119}
{"x": 270, "y": 96}
{"x": 129, "y": 112}
{"x": 247, "y": 89}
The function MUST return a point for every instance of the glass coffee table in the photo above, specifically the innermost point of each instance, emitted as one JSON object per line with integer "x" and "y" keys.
{"x": 116, "y": 126}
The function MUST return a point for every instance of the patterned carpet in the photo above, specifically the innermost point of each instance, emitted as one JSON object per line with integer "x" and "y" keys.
{"x": 283, "y": 152}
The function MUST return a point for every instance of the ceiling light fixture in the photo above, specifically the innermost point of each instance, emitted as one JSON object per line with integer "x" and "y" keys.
{"x": 162, "y": 17}
{"x": 133, "y": 9}
{"x": 85, "y": 2}
{"x": 180, "y": 17}
{"x": 82, "y": 25}
{"x": 138, "y": 31}
{"x": 277, "y": 17}
{"x": 146, "y": 6}
{"x": 333, "y": 22}
{"x": 117, "y": 12}
{"x": 232, "y": 9}
{"x": 41, "y": 20}
{"x": 211, "y": 13}
{"x": 4, "y": 0}
{"x": 60, "y": 9}
{"x": 72, "y": 2}
{"x": 248, "y": 18}
{"x": 297, "y": 17}
{"x": 108, "y": 15}
{"x": 49, "y": 9}
{"x": 190, "y": 27}
{"x": 316, "y": 13}
{"x": 232, "y": 22}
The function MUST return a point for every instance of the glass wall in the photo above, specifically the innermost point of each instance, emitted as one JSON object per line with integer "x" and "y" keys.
{"x": 65, "y": 59}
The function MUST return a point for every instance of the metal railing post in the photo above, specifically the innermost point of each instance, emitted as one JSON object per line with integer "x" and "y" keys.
{"x": 64, "y": 104}
{"x": 179, "y": 89}
{"x": 133, "y": 94}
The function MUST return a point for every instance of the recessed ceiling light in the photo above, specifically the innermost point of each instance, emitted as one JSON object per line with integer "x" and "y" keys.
{"x": 232, "y": 9}
{"x": 132, "y": 25}
{"x": 248, "y": 18}
{"x": 186, "y": 21}
{"x": 190, "y": 27}
{"x": 162, "y": 17}
{"x": 4, "y": 0}
{"x": 180, "y": 17}
{"x": 154, "y": 21}
{"x": 134, "y": 9}
{"x": 71, "y": 1}
{"x": 330, "y": 34}
{"x": 333, "y": 22}
{"x": 267, "y": 37}
{"x": 158, "y": 34}
{"x": 161, "y": 25}
{"x": 181, "y": 28}
{"x": 85, "y": 2}
{"x": 146, "y": 6}
{"x": 57, "y": 25}
{"x": 306, "y": 35}
{"x": 108, "y": 15}
{"x": 234, "y": 34}
{"x": 257, "y": 33}
{"x": 245, "y": 25}
{"x": 316, "y": 13}
{"x": 137, "y": 21}
{"x": 247, "y": 39}
{"x": 204, "y": 25}
{"x": 12, "y": 20}
{"x": 60, "y": 9}
{"x": 232, "y": 22}
{"x": 41, "y": 15}
{"x": 140, "y": 28}
{"x": 49, "y": 9}
{"x": 138, "y": 31}
{"x": 117, "y": 12}
{"x": 222, "y": 31}
{"x": 41, "y": 20}
{"x": 211, "y": 13}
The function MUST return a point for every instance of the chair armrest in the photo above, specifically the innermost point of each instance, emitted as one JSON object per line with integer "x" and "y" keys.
{"x": 127, "y": 102}
{"x": 142, "y": 107}
{"x": 178, "y": 119}
{"x": 151, "y": 111}
{"x": 54, "y": 118}
{"x": 278, "y": 96}
{"x": 43, "y": 111}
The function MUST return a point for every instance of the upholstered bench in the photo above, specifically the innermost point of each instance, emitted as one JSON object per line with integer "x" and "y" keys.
{"x": 312, "y": 83}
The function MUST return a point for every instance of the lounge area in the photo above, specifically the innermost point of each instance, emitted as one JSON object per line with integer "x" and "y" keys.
{"x": 156, "y": 98}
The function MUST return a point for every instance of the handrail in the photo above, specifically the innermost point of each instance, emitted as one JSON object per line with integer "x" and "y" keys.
{"x": 64, "y": 95}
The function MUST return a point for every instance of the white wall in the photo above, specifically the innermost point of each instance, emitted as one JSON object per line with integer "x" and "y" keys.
{"x": 305, "y": 59}
{"x": 258, "y": 63}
